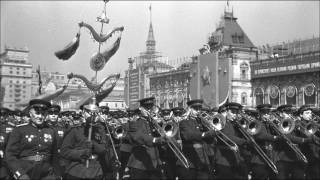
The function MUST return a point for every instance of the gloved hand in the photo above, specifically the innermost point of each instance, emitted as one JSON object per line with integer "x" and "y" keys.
{"x": 308, "y": 140}
{"x": 24, "y": 177}
{"x": 85, "y": 153}
{"x": 209, "y": 134}
{"x": 280, "y": 139}
{"x": 159, "y": 141}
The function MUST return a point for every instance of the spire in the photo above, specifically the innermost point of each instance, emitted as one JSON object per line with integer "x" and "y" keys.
{"x": 150, "y": 43}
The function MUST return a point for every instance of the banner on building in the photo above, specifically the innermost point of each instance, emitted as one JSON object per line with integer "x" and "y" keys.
{"x": 210, "y": 79}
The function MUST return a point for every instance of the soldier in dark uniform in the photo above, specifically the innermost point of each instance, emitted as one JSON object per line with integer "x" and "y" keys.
{"x": 32, "y": 147}
{"x": 265, "y": 138}
{"x": 289, "y": 165}
{"x": 144, "y": 161}
{"x": 5, "y": 130}
{"x": 195, "y": 137}
{"x": 86, "y": 155}
{"x": 311, "y": 150}
{"x": 125, "y": 146}
{"x": 52, "y": 121}
{"x": 228, "y": 161}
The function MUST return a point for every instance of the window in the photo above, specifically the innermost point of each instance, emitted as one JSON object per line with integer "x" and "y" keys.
{"x": 18, "y": 72}
{"x": 10, "y": 72}
{"x": 244, "y": 71}
{"x": 244, "y": 98}
{"x": 116, "y": 105}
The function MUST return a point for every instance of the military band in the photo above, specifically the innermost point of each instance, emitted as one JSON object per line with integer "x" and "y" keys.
{"x": 226, "y": 142}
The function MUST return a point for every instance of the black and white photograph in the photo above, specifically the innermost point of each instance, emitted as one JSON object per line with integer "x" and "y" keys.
{"x": 159, "y": 90}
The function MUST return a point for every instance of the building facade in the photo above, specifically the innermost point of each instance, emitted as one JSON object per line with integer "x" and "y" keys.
{"x": 289, "y": 78}
{"x": 16, "y": 77}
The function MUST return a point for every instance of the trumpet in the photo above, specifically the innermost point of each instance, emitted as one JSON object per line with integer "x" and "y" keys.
{"x": 217, "y": 123}
{"x": 170, "y": 141}
{"x": 250, "y": 127}
{"x": 283, "y": 127}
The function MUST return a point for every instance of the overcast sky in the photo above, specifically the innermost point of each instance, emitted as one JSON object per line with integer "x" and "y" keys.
{"x": 180, "y": 27}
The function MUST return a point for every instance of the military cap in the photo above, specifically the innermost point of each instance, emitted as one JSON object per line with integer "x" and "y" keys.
{"x": 147, "y": 101}
{"x": 39, "y": 103}
{"x": 4, "y": 111}
{"x": 195, "y": 102}
{"x": 165, "y": 112}
{"x": 234, "y": 106}
{"x": 316, "y": 111}
{"x": 132, "y": 112}
{"x": 54, "y": 108}
{"x": 251, "y": 112}
{"x": 214, "y": 109}
{"x": 304, "y": 108}
{"x": 17, "y": 112}
{"x": 222, "y": 109}
{"x": 262, "y": 107}
{"x": 285, "y": 108}
{"x": 104, "y": 109}
{"x": 206, "y": 109}
{"x": 65, "y": 113}
{"x": 177, "y": 111}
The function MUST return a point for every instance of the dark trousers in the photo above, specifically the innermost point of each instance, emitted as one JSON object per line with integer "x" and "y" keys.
{"x": 124, "y": 157}
{"x": 260, "y": 171}
{"x": 228, "y": 172}
{"x": 145, "y": 174}
{"x": 313, "y": 170}
{"x": 191, "y": 173}
{"x": 290, "y": 170}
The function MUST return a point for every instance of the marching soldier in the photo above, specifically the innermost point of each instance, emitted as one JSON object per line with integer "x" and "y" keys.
{"x": 290, "y": 165}
{"x": 311, "y": 150}
{"x": 31, "y": 147}
{"x": 144, "y": 161}
{"x": 195, "y": 137}
{"x": 265, "y": 138}
{"x": 85, "y": 146}
{"x": 125, "y": 146}
{"x": 228, "y": 162}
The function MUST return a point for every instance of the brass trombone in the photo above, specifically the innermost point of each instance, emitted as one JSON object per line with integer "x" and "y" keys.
{"x": 217, "y": 123}
{"x": 283, "y": 127}
{"x": 170, "y": 141}
{"x": 250, "y": 127}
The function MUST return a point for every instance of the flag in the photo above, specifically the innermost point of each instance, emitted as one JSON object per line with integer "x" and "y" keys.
{"x": 39, "y": 80}
{"x": 150, "y": 7}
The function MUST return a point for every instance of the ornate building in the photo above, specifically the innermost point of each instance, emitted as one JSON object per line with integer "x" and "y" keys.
{"x": 291, "y": 77}
{"x": 15, "y": 75}
{"x": 171, "y": 86}
{"x": 232, "y": 44}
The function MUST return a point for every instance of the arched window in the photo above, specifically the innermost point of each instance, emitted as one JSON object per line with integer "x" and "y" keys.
{"x": 244, "y": 71}
{"x": 291, "y": 95}
{"x": 259, "y": 96}
{"x": 274, "y": 95}
{"x": 309, "y": 94}
{"x": 244, "y": 98}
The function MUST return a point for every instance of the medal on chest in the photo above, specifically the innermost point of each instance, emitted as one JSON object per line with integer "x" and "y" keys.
{"x": 60, "y": 133}
{"x": 47, "y": 137}
{"x": 30, "y": 137}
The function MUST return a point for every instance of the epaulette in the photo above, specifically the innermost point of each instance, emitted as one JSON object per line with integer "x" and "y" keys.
{"x": 19, "y": 125}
